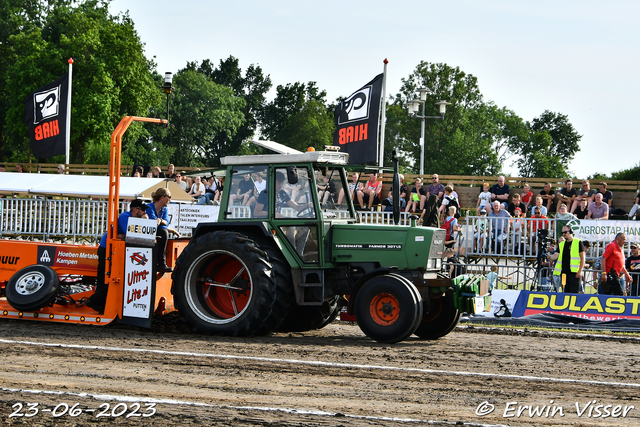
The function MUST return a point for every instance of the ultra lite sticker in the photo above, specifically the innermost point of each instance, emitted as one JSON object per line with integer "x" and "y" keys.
{"x": 137, "y": 290}
{"x": 367, "y": 246}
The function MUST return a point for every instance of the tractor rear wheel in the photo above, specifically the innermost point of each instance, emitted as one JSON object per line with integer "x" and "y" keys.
{"x": 32, "y": 288}
{"x": 387, "y": 308}
{"x": 224, "y": 285}
{"x": 441, "y": 319}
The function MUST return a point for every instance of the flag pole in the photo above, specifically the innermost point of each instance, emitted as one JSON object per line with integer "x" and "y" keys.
{"x": 68, "y": 124}
{"x": 383, "y": 105}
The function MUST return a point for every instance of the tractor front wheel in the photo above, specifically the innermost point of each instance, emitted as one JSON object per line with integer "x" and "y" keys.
{"x": 387, "y": 308}
{"x": 442, "y": 317}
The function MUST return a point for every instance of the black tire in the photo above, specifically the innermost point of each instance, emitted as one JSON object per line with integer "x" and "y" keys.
{"x": 418, "y": 298}
{"x": 227, "y": 259}
{"x": 32, "y": 288}
{"x": 284, "y": 295}
{"x": 386, "y": 308}
{"x": 303, "y": 318}
{"x": 441, "y": 319}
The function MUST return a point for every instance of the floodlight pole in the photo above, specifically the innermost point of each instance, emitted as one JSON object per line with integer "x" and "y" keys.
{"x": 413, "y": 110}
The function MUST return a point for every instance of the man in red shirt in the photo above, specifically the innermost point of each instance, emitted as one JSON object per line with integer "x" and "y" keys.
{"x": 613, "y": 258}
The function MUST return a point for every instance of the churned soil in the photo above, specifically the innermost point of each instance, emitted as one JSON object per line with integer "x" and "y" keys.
{"x": 334, "y": 376}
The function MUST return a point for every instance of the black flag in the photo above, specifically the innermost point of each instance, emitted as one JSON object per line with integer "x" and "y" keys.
{"x": 357, "y": 122}
{"x": 46, "y": 118}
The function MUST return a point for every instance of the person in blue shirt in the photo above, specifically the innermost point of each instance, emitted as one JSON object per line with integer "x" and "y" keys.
{"x": 137, "y": 209}
{"x": 158, "y": 211}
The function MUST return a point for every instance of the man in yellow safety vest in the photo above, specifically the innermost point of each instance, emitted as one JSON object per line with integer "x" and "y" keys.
{"x": 570, "y": 262}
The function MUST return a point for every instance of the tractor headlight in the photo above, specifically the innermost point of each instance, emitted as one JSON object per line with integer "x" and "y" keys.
{"x": 434, "y": 264}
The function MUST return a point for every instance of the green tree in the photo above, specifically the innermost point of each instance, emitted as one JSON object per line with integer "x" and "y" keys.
{"x": 205, "y": 117}
{"x": 252, "y": 87}
{"x": 550, "y": 147}
{"x": 16, "y": 16}
{"x": 112, "y": 78}
{"x": 298, "y": 117}
{"x": 631, "y": 174}
{"x": 536, "y": 159}
{"x": 474, "y": 137}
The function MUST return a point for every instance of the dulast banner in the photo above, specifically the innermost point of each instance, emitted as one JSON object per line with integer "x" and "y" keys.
{"x": 603, "y": 308}
{"x": 46, "y": 117}
{"x": 604, "y": 231}
{"x": 357, "y": 118}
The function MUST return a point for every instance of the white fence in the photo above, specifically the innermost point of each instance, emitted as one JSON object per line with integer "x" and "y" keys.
{"x": 523, "y": 241}
{"x": 86, "y": 220}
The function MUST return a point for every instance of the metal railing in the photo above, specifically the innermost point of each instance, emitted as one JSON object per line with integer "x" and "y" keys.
{"x": 524, "y": 242}
{"x": 50, "y": 219}
{"x": 512, "y": 276}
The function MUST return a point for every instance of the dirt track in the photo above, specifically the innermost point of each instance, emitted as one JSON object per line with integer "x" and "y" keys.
{"x": 335, "y": 376}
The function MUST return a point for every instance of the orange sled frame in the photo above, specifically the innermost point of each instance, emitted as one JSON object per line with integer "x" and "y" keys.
{"x": 16, "y": 255}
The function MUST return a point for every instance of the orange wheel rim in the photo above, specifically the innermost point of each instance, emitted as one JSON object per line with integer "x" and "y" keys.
{"x": 384, "y": 309}
{"x": 226, "y": 303}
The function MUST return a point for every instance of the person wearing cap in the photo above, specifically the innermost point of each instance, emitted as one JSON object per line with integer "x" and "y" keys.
{"x": 137, "y": 209}
{"x": 570, "y": 262}
{"x": 633, "y": 268}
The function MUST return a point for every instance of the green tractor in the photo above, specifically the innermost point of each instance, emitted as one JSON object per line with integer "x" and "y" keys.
{"x": 291, "y": 257}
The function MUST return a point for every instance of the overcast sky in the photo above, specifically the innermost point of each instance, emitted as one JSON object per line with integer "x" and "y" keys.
{"x": 578, "y": 58}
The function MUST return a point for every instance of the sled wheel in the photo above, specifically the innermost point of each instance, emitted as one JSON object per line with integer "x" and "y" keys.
{"x": 32, "y": 288}
{"x": 441, "y": 319}
{"x": 303, "y": 318}
{"x": 223, "y": 285}
{"x": 386, "y": 309}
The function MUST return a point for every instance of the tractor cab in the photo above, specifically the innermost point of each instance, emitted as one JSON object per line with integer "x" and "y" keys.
{"x": 296, "y": 194}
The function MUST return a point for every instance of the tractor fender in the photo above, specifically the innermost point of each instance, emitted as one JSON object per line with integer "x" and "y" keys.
{"x": 364, "y": 279}
{"x": 246, "y": 227}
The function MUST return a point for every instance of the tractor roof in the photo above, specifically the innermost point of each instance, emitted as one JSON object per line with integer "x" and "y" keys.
{"x": 287, "y": 155}
{"x": 327, "y": 157}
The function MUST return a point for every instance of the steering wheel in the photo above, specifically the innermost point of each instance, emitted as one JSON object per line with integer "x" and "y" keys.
{"x": 307, "y": 212}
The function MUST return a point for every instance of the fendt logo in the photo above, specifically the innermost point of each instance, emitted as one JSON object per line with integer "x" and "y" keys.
{"x": 46, "y": 255}
{"x": 138, "y": 259}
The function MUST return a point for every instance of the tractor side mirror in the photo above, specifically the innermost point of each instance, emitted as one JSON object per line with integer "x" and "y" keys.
{"x": 292, "y": 175}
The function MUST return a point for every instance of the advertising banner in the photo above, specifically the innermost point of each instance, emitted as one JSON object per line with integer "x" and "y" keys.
{"x": 497, "y": 296}
{"x": 585, "y": 306}
{"x": 604, "y": 231}
{"x": 184, "y": 218}
{"x": 46, "y": 118}
{"x": 138, "y": 285}
{"x": 81, "y": 258}
{"x": 357, "y": 118}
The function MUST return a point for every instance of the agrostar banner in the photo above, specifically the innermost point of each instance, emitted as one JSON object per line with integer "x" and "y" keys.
{"x": 46, "y": 118}
{"x": 604, "y": 231}
{"x": 357, "y": 118}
